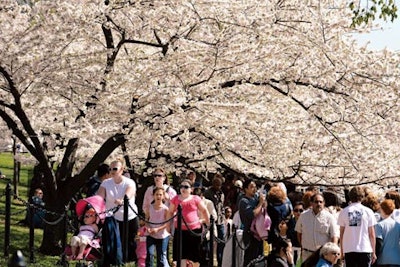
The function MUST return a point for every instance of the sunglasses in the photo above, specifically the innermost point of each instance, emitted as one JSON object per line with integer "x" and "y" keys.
{"x": 298, "y": 210}
{"x": 158, "y": 175}
{"x": 184, "y": 186}
{"x": 114, "y": 169}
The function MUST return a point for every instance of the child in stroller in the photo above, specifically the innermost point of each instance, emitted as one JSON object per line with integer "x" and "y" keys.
{"x": 90, "y": 212}
{"x": 87, "y": 232}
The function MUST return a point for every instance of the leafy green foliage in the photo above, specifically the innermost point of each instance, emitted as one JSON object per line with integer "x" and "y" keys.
{"x": 386, "y": 10}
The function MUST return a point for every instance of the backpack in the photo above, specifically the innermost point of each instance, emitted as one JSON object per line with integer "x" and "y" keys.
{"x": 260, "y": 225}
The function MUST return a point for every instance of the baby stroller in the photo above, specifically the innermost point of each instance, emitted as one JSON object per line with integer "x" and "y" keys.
{"x": 92, "y": 252}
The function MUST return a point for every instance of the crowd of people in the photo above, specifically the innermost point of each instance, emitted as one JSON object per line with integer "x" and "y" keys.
{"x": 327, "y": 228}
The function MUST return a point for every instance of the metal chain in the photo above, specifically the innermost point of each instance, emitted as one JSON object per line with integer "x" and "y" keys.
{"x": 202, "y": 234}
{"x": 150, "y": 222}
{"x": 238, "y": 243}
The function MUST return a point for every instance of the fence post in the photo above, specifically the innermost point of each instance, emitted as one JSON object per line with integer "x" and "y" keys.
{"x": 234, "y": 246}
{"x": 178, "y": 234}
{"x": 31, "y": 210}
{"x": 63, "y": 261}
{"x": 7, "y": 224}
{"x": 211, "y": 248}
{"x": 125, "y": 230}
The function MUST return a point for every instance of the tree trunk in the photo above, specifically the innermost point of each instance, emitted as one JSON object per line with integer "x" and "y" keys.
{"x": 67, "y": 187}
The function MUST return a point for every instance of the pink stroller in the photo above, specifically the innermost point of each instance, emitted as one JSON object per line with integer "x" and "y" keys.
{"x": 92, "y": 251}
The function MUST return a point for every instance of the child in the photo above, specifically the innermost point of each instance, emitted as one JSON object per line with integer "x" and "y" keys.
{"x": 228, "y": 223}
{"x": 158, "y": 235}
{"x": 87, "y": 232}
{"x": 141, "y": 243}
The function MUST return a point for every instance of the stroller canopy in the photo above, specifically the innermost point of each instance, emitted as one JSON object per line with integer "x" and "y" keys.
{"x": 97, "y": 202}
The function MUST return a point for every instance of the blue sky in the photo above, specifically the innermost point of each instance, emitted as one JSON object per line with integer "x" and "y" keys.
{"x": 387, "y": 36}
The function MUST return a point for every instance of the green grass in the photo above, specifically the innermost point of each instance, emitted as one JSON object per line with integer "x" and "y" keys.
{"x": 19, "y": 235}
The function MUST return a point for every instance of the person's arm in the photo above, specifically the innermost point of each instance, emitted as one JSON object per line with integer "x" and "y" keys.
{"x": 298, "y": 230}
{"x": 206, "y": 216}
{"x": 159, "y": 227}
{"x": 129, "y": 193}
{"x": 290, "y": 258}
{"x": 171, "y": 211}
{"x": 372, "y": 239}
{"x": 130, "y": 190}
{"x": 260, "y": 205}
{"x": 334, "y": 230}
{"x": 95, "y": 228}
{"x": 341, "y": 240}
{"x": 213, "y": 211}
{"x": 147, "y": 198}
{"x": 102, "y": 192}
{"x": 299, "y": 236}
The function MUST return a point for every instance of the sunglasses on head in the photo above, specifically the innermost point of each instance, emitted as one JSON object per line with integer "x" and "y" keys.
{"x": 184, "y": 186}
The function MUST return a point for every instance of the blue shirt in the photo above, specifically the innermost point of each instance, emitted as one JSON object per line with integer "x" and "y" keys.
{"x": 323, "y": 263}
{"x": 389, "y": 231}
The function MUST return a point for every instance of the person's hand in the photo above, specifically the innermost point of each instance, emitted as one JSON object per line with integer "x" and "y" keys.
{"x": 289, "y": 256}
{"x": 154, "y": 230}
{"x": 373, "y": 258}
{"x": 119, "y": 202}
{"x": 262, "y": 200}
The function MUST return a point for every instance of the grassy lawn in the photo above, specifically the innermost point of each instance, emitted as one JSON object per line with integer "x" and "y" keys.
{"x": 19, "y": 235}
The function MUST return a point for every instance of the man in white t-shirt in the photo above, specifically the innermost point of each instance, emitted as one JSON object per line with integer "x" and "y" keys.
{"x": 357, "y": 231}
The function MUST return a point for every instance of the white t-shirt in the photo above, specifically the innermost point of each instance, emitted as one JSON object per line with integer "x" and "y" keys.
{"x": 356, "y": 219}
{"x": 396, "y": 215}
{"x": 117, "y": 191}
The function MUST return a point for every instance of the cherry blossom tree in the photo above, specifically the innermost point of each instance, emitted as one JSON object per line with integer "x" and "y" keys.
{"x": 271, "y": 89}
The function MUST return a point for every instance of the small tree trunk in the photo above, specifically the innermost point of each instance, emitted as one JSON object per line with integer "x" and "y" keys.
{"x": 54, "y": 232}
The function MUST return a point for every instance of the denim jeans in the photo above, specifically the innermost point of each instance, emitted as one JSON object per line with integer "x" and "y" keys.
{"x": 160, "y": 246}
{"x": 220, "y": 245}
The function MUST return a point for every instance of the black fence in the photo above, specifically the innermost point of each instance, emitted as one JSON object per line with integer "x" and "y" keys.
{"x": 233, "y": 242}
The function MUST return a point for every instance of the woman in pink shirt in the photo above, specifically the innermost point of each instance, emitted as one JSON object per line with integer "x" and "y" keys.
{"x": 191, "y": 225}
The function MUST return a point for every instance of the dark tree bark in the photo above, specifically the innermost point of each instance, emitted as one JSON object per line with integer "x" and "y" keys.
{"x": 66, "y": 189}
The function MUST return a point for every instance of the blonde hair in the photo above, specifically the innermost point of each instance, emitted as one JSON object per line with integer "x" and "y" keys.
{"x": 329, "y": 247}
{"x": 119, "y": 160}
